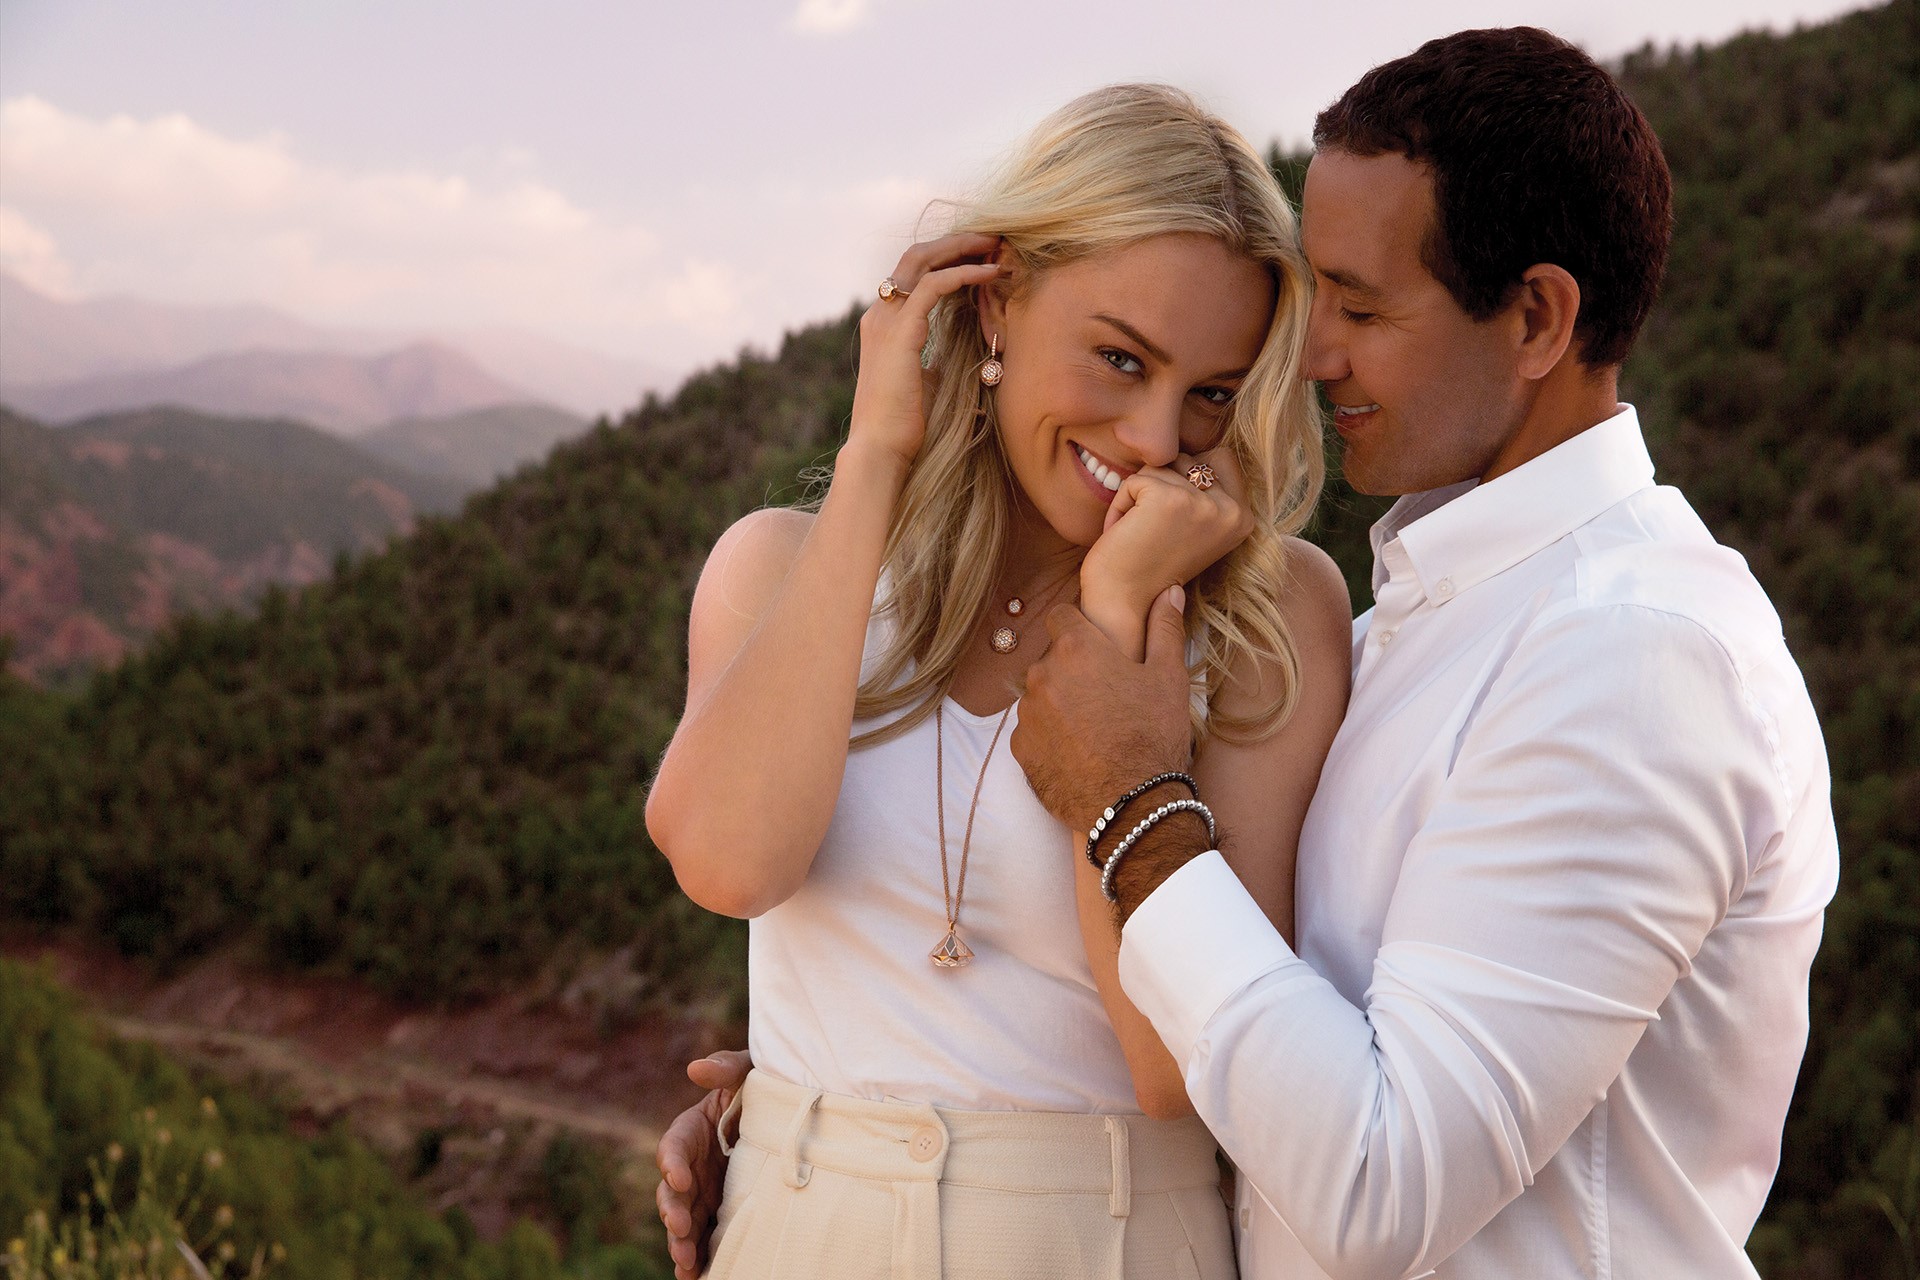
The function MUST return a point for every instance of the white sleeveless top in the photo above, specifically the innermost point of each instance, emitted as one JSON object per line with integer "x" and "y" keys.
{"x": 843, "y": 996}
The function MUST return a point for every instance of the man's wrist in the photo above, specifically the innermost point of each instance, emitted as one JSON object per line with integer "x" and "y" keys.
{"x": 1171, "y": 844}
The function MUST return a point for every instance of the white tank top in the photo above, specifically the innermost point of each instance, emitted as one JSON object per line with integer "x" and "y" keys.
{"x": 843, "y": 996}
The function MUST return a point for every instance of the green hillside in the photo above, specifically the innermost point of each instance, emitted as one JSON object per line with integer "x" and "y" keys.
{"x": 109, "y": 526}
{"x": 476, "y": 447}
{"x": 428, "y": 770}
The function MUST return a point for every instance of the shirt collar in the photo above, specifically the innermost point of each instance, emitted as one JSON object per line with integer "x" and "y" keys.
{"x": 1455, "y": 537}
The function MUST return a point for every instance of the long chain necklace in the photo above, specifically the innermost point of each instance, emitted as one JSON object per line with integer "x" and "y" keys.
{"x": 951, "y": 953}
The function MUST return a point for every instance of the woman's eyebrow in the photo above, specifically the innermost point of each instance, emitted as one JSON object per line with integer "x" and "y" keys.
{"x": 1152, "y": 348}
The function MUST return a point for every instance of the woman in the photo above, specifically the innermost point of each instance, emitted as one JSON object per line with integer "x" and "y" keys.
{"x": 1089, "y": 391}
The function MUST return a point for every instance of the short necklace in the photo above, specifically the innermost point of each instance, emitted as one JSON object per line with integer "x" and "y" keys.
{"x": 952, "y": 952}
{"x": 1005, "y": 639}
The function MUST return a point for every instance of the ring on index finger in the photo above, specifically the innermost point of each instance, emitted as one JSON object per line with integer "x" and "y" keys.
{"x": 1201, "y": 476}
{"x": 889, "y": 290}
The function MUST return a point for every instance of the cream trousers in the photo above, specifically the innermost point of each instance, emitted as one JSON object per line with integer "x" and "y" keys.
{"x": 842, "y": 1188}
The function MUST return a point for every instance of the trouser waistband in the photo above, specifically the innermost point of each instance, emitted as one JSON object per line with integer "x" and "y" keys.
{"x": 1026, "y": 1151}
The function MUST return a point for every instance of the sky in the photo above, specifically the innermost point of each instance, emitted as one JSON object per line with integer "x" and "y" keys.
{"x": 661, "y": 182}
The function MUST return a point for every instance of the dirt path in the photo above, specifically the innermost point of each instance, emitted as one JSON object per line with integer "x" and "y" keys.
{"x": 466, "y": 1102}
{"x": 385, "y": 1078}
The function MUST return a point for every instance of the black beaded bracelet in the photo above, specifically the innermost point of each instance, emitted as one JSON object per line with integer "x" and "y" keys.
{"x": 1115, "y": 809}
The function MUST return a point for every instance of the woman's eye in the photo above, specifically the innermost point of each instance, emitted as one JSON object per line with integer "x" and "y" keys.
{"x": 1355, "y": 317}
{"x": 1216, "y": 396}
{"x": 1121, "y": 360}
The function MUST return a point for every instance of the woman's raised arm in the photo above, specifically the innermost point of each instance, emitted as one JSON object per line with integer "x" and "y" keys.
{"x": 747, "y": 787}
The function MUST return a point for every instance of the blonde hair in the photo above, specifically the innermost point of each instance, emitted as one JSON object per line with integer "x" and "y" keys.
{"x": 1110, "y": 169}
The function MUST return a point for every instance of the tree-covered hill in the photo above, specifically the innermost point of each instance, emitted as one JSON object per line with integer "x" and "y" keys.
{"x": 428, "y": 770}
{"x": 1781, "y": 377}
{"x": 110, "y": 526}
{"x": 476, "y": 447}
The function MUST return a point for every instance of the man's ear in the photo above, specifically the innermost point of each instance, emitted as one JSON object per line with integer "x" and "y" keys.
{"x": 1549, "y": 303}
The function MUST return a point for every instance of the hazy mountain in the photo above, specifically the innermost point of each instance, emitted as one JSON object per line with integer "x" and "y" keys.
{"x": 341, "y": 392}
{"x": 477, "y": 447}
{"x": 110, "y": 527}
{"x": 45, "y": 340}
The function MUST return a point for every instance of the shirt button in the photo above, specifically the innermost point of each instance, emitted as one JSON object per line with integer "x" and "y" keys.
{"x": 925, "y": 1143}
{"x": 1385, "y": 636}
{"x": 1444, "y": 587}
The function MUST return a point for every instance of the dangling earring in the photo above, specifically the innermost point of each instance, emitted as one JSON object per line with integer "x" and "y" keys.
{"x": 990, "y": 371}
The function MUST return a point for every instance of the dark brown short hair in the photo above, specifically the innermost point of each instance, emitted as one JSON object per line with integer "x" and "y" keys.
{"x": 1537, "y": 155}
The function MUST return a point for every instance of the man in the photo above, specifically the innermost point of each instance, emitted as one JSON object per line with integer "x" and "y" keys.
{"x": 1562, "y": 880}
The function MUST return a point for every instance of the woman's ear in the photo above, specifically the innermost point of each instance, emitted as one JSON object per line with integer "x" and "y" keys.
{"x": 990, "y": 300}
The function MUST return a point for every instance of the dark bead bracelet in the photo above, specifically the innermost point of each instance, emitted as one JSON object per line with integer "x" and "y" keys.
{"x": 1115, "y": 809}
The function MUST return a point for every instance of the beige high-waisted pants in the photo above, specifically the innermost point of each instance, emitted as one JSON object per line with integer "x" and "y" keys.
{"x": 840, "y": 1188}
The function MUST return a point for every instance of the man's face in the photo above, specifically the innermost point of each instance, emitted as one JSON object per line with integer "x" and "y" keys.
{"x": 1424, "y": 395}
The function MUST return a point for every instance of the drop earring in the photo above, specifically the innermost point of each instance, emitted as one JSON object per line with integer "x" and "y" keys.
{"x": 990, "y": 371}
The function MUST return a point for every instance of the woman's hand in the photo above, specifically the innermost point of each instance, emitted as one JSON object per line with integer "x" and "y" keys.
{"x": 889, "y": 410}
{"x": 1162, "y": 531}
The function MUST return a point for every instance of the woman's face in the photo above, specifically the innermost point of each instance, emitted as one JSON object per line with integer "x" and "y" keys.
{"x": 1122, "y": 361}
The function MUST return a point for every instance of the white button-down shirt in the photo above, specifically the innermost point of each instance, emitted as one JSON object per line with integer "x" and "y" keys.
{"x": 1559, "y": 891}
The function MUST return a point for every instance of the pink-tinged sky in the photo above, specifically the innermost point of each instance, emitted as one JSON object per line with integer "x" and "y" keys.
{"x": 666, "y": 182}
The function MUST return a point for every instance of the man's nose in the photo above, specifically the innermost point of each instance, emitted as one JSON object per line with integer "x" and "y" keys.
{"x": 1326, "y": 356}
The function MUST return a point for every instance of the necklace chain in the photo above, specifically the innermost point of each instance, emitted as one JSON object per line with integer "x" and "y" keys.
{"x": 951, "y": 952}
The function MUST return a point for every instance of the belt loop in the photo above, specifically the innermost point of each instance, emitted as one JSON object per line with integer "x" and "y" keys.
{"x": 731, "y": 1116}
{"x": 797, "y": 1175}
{"x": 1120, "y": 1193}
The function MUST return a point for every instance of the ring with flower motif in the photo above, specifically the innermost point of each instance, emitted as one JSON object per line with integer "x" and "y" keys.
{"x": 1200, "y": 476}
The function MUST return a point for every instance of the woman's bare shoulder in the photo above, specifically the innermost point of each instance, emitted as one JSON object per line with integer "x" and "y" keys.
{"x": 750, "y": 561}
{"x": 1315, "y": 592}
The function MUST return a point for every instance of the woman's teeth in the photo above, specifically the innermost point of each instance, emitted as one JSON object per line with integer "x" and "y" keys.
{"x": 1349, "y": 411}
{"x": 1104, "y": 474}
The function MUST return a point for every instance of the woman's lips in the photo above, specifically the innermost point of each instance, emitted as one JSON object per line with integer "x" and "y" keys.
{"x": 1081, "y": 457}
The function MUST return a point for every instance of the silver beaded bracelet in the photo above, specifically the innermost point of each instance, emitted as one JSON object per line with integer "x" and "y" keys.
{"x": 1141, "y": 828}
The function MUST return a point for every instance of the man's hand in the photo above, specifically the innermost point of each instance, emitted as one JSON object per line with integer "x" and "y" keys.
{"x": 693, "y": 1169}
{"x": 1094, "y": 723}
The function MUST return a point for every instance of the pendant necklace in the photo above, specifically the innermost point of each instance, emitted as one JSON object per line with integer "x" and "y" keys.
{"x": 951, "y": 953}
{"x": 1005, "y": 639}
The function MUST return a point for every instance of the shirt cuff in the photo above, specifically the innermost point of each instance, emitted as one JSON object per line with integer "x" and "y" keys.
{"x": 1194, "y": 942}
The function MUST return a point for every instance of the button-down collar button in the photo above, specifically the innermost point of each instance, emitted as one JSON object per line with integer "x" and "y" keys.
{"x": 1385, "y": 636}
{"x": 1444, "y": 587}
{"x": 925, "y": 1143}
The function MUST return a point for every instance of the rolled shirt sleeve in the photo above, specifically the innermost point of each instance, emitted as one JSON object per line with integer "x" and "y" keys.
{"x": 1604, "y": 807}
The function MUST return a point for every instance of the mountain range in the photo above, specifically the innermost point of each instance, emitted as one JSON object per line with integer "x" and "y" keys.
{"x": 54, "y": 354}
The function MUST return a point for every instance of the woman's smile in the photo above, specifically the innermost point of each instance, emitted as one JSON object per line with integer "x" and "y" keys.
{"x": 1101, "y": 477}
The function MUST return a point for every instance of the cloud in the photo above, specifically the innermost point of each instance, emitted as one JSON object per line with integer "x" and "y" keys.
{"x": 166, "y": 207}
{"x": 30, "y": 254}
{"x": 828, "y": 16}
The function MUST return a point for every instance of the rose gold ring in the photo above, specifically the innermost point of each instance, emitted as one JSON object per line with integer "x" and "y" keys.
{"x": 1200, "y": 476}
{"x": 889, "y": 290}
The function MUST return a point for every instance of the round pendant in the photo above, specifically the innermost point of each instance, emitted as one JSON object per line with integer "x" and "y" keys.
{"x": 1016, "y": 606}
{"x": 1004, "y": 640}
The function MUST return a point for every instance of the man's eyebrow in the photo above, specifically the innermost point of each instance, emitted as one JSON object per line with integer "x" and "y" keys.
{"x": 1353, "y": 284}
{"x": 1153, "y": 349}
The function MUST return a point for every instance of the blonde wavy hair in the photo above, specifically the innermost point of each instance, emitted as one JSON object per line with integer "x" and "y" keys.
{"x": 1110, "y": 169}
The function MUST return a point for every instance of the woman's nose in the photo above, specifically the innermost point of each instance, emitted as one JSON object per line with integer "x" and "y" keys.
{"x": 1152, "y": 431}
